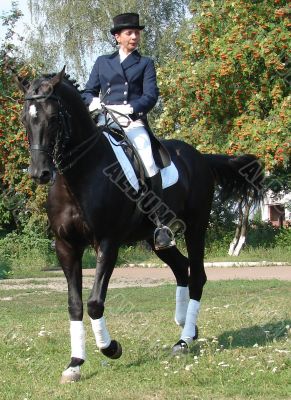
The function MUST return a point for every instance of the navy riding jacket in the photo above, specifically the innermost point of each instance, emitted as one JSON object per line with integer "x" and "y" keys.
{"x": 131, "y": 82}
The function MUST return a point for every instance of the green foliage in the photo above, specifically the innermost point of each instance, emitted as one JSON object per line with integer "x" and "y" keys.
{"x": 26, "y": 252}
{"x": 283, "y": 238}
{"x": 262, "y": 234}
{"x": 279, "y": 181}
{"x": 228, "y": 93}
{"x": 21, "y": 203}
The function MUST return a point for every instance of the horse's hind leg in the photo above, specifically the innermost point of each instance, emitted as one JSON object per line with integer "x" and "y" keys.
{"x": 179, "y": 264}
{"x": 106, "y": 259}
{"x": 70, "y": 258}
{"x": 195, "y": 242}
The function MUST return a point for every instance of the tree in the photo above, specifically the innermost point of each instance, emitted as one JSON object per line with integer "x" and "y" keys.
{"x": 77, "y": 29}
{"x": 21, "y": 203}
{"x": 230, "y": 91}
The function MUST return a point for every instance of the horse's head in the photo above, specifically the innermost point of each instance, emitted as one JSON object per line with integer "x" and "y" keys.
{"x": 42, "y": 119}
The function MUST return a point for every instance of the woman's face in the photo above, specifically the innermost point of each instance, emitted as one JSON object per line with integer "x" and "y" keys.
{"x": 128, "y": 39}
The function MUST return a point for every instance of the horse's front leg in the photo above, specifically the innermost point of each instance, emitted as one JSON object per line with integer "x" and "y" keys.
{"x": 70, "y": 257}
{"x": 106, "y": 259}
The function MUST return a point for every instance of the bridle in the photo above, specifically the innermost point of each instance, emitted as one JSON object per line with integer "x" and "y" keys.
{"x": 56, "y": 151}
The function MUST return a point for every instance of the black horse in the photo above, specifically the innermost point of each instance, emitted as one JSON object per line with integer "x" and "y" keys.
{"x": 86, "y": 207}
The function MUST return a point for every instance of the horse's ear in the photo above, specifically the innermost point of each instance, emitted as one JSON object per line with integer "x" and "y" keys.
{"x": 58, "y": 77}
{"x": 22, "y": 83}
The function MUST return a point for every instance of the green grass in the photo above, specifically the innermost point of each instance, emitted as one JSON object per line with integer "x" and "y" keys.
{"x": 243, "y": 352}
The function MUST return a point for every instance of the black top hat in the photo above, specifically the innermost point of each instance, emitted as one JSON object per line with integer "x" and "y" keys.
{"x": 126, "y": 21}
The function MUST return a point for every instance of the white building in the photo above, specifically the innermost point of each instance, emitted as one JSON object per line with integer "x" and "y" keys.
{"x": 275, "y": 209}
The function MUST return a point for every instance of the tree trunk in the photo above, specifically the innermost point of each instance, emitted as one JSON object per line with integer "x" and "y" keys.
{"x": 241, "y": 230}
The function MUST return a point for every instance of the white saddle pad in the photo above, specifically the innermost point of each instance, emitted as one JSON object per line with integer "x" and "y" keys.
{"x": 169, "y": 174}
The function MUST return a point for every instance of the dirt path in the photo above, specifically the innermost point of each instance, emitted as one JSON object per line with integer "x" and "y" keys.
{"x": 138, "y": 276}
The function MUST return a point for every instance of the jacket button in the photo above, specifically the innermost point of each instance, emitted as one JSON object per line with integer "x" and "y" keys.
{"x": 126, "y": 83}
{"x": 125, "y": 102}
{"x": 108, "y": 83}
{"x": 124, "y": 93}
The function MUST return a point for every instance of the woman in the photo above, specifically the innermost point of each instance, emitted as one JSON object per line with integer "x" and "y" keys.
{"x": 128, "y": 85}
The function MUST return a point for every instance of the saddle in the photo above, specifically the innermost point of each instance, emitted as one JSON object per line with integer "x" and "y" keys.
{"x": 117, "y": 137}
{"x": 128, "y": 156}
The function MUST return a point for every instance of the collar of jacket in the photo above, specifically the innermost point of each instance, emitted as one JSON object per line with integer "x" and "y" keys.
{"x": 132, "y": 59}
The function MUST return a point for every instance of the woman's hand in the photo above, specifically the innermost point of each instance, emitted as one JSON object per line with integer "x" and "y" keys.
{"x": 124, "y": 109}
{"x": 95, "y": 105}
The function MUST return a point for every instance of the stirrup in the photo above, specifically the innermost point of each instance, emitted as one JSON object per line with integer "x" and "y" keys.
{"x": 163, "y": 238}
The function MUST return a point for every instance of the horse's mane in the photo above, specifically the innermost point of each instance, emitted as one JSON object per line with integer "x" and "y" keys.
{"x": 71, "y": 81}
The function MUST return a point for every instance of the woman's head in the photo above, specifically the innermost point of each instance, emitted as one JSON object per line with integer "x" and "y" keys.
{"x": 126, "y": 31}
{"x": 128, "y": 39}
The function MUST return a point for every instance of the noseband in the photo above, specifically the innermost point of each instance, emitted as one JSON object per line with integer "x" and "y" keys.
{"x": 56, "y": 151}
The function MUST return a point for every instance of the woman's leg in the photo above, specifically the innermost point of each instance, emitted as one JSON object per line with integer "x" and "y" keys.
{"x": 141, "y": 141}
{"x": 152, "y": 205}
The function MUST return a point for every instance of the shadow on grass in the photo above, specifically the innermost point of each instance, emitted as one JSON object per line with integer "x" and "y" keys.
{"x": 252, "y": 335}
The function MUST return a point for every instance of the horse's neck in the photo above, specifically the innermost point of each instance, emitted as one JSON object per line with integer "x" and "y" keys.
{"x": 82, "y": 126}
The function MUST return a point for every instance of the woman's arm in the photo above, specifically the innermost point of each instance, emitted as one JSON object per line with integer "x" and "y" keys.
{"x": 149, "y": 97}
{"x": 92, "y": 87}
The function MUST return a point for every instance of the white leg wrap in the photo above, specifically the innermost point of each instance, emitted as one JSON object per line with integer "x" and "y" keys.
{"x": 192, "y": 313}
{"x": 77, "y": 332}
{"x": 101, "y": 333}
{"x": 182, "y": 300}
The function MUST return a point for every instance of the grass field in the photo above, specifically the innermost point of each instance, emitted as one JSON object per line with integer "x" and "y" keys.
{"x": 243, "y": 351}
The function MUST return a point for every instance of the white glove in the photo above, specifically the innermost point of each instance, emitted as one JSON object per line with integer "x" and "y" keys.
{"x": 125, "y": 109}
{"x": 95, "y": 104}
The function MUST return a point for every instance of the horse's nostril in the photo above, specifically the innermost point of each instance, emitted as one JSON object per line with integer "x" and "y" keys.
{"x": 45, "y": 175}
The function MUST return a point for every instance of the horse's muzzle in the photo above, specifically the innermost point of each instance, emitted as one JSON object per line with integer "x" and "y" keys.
{"x": 41, "y": 176}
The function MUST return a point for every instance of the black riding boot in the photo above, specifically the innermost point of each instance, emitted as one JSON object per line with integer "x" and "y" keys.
{"x": 163, "y": 236}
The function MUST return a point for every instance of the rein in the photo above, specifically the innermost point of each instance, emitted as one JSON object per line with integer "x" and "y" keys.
{"x": 62, "y": 137}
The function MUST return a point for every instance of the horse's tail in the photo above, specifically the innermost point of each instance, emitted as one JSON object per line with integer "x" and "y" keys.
{"x": 239, "y": 177}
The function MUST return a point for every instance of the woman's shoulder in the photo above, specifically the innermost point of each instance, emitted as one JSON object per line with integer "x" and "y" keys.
{"x": 107, "y": 56}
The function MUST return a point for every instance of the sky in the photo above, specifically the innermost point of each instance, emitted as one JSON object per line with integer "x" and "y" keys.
{"x": 25, "y": 22}
{"x": 6, "y": 6}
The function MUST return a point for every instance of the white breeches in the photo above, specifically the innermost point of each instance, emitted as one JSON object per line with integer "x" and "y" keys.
{"x": 141, "y": 141}
{"x": 139, "y": 137}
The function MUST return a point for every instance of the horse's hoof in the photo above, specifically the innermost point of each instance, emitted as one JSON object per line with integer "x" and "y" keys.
{"x": 114, "y": 350}
{"x": 182, "y": 347}
{"x": 71, "y": 374}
